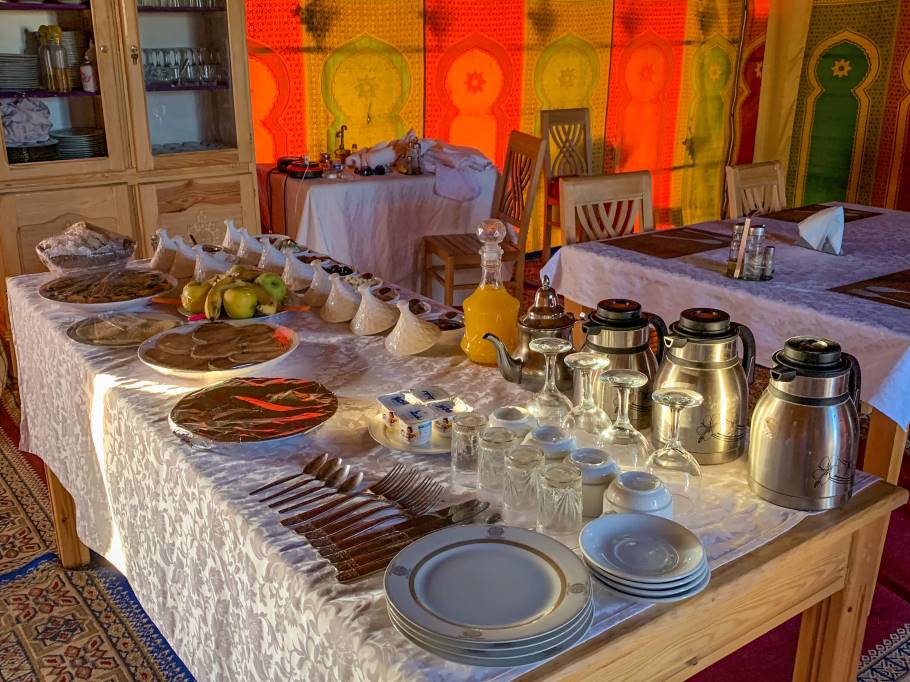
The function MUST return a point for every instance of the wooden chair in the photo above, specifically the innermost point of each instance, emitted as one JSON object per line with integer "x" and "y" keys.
{"x": 513, "y": 201}
{"x": 605, "y": 206}
{"x": 568, "y": 153}
{"x": 755, "y": 186}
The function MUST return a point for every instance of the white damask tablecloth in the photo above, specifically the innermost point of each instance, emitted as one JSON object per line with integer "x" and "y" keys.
{"x": 375, "y": 224}
{"x": 237, "y": 595}
{"x": 796, "y": 302}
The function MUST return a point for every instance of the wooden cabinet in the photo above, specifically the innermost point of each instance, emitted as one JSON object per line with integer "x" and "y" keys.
{"x": 177, "y": 145}
{"x": 196, "y": 206}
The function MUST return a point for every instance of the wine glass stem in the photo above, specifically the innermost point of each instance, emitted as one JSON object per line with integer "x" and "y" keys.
{"x": 622, "y": 412}
{"x": 550, "y": 378}
{"x": 673, "y": 436}
{"x": 587, "y": 393}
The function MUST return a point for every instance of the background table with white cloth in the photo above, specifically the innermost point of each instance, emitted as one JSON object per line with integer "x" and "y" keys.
{"x": 798, "y": 301}
{"x": 375, "y": 223}
{"x": 239, "y": 596}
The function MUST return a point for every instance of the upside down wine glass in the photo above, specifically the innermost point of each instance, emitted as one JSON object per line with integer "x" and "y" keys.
{"x": 586, "y": 421}
{"x": 672, "y": 463}
{"x": 549, "y": 406}
{"x": 624, "y": 443}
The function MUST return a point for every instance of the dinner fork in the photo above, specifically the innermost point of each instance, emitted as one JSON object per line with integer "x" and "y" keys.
{"x": 321, "y": 473}
{"x": 308, "y": 469}
{"x": 399, "y": 475}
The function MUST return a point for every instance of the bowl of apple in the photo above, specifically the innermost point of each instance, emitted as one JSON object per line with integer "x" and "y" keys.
{"x": 241, "y": 293}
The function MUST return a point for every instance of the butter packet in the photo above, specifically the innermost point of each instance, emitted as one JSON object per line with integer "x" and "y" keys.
{"x": 391, "y": 402}
{"x": 446, "y": 411}
{"x": 415, "y": 423}
{"x": 428, "y": 394}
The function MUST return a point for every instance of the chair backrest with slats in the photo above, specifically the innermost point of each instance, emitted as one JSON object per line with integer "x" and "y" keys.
{"x": 516, "y": 189}
{"x": 605, "y": 206}
{"x": 568, "y": 136}
{"x": 755, "y": 187}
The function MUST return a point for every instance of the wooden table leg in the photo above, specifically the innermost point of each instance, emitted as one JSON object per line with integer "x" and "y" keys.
{"x": 73, "y": 554}
{"x": 831, "y": 634}
{"x": 885, "y": 446}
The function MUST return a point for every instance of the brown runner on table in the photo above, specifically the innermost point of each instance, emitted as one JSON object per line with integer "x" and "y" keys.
{"x": 797, "y": 215}
{"x": 893, "y": 289}
{"x": 677, "y": 243}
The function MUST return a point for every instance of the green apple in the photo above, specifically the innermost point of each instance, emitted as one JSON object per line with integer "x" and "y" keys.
{"x": 192, "y": 298}
{"x": 240, "y": 302}
{"x": 274, "y": 285}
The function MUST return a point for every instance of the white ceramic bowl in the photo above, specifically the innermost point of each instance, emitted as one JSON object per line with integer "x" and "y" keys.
{"x": 639, "y": 491}
{"x": 514, "y": 418}
{"x": 556, "y": 442}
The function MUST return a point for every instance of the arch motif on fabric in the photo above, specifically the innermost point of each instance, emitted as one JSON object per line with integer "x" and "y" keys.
{"x": 746, "y": 117}
{"x": 473, "y": 80}
{"x": 832, "y": 72}
{"x": 566, "y": 73}
{"x": 900, "y": 163}
{"x": 365, "y": 84}
{"x": 270, "y": 92}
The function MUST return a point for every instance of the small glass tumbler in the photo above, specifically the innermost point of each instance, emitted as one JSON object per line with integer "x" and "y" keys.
{"x": 466, "y": 428}
{"x": 560, "y": 501}
{"x": 519, "y": 488}
{"x": 495, "y": 443}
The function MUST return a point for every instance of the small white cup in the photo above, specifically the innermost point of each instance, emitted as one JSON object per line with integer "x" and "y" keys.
{"x": 638, "y": 491}
{"x": 598, "y": 470}
{"x": 514, "y": 418}
{"x": 556, "y": 442}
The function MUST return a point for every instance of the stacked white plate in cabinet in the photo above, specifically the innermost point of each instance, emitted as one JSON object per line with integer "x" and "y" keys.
{"x": 645, "y": 558}
{"x": 489, "y": 595}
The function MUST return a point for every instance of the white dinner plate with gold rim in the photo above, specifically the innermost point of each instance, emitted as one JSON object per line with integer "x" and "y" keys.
{"x": 387, "y": 436}
{"x": 641, "y": 547}
{"x": 487, "y": 583}
{"x": 504, "y": 658}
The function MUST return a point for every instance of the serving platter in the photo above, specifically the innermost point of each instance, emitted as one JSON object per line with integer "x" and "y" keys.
{"x": 383, "y": 435}
{"x": 109, "y": 306}
{"x": 82, "y": 332}
{"x": 287, "y": 337}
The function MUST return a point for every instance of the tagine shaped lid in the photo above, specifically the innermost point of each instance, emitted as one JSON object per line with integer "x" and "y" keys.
{"x": 546, "y": 311}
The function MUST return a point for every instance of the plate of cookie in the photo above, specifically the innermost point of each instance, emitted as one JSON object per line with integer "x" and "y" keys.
{"x": 106, "y": 291}
{"x": 213, "y": 351}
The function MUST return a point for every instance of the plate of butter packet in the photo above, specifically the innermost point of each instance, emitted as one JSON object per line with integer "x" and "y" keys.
{"x": 417, "y": 420}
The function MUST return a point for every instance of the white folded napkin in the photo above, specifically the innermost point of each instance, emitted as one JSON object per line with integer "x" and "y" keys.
{"x": 823, "y": 231}
{"x": 209, "y": 263}
{"x": 231, "y": 240}
{"x": 163, "y": 258}
{"x": 250, "y": 250}
{"x": 271, "y": 260}
{"x": 184, "y": 260}
{"x": 297, "y": 275}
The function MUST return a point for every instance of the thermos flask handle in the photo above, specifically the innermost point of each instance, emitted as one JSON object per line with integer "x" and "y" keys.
{"x": 745, "y": 335}
{"x": 855, "y": 382}
{"x": 660, "y": 327}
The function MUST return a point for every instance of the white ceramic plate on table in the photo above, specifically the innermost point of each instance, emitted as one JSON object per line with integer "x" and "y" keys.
{"x": 388, "y": 437}
{"x": 654, "y": 599}
{"x": 285, "y": 333}
{"x": 641, "y": 547}
{"x": 91, "y": 308}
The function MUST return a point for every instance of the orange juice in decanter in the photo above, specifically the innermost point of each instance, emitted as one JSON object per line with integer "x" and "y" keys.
{"x": 491, "y": 309}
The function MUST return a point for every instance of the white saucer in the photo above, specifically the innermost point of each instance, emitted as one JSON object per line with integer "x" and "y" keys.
{"x": 698, "y": 587}
{"x": 654, "y": 591}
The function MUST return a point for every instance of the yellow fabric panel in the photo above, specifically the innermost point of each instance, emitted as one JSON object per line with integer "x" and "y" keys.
{"x": 566, "y": 65}
{"x": 364, "y": 69}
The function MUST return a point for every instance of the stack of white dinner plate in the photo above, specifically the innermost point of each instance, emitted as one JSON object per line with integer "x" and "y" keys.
{"x": 79, "y": 143}
{"x": 489, "y": 595}
{"x": 645, "y": 558}
{"x": 19, "y": 72}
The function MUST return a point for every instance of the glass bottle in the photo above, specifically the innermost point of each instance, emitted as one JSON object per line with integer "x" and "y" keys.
{"x": 733, "y": 254}
{"x": 586, "y": 421}
{"x": 56, "y": 56}
{"x": 491, "y": 309}
{"x": 755, "y": 246}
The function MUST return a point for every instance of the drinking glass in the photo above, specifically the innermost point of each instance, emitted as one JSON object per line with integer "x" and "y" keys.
{"x": 549, "y": 406}
{"x": 495, "y": 443}
{"x": 466, "y": 428}
{"x": 559, "y": 501}
{"x": 519, "y": 490}
{"x": 622, "y": 441}
{"x": 586, "y": 421}
{"x": 672, "y": 464}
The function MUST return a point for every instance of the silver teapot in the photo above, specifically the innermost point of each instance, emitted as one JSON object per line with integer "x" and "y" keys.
{"x": 805, "y": 428}
{"x": 621, "y": 331}
{"x": 545, "y": 318}
{"x": 702, "y": 356}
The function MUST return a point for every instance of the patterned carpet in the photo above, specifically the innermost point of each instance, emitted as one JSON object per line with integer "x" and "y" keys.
{"x": 60, "y": 626}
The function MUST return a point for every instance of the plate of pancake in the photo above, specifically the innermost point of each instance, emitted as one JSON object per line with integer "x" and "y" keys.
{"x": 213, "y": 351}
{"x": 107, "y": 290}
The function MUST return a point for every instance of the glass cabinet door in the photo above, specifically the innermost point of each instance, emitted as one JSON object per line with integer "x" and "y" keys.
{"x": 50, "y": 87}
{"x": 184, "y": 50}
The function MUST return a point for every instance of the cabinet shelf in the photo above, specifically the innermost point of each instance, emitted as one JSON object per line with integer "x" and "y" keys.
{"x": 179, "y": 10}
{"x": 165, "y": 87}
{"x": 43, "y": 6}
{"x": 7, "y": 94}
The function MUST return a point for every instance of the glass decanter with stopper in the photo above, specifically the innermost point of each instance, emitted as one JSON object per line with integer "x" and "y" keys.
{"x": 491, "y": 309}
